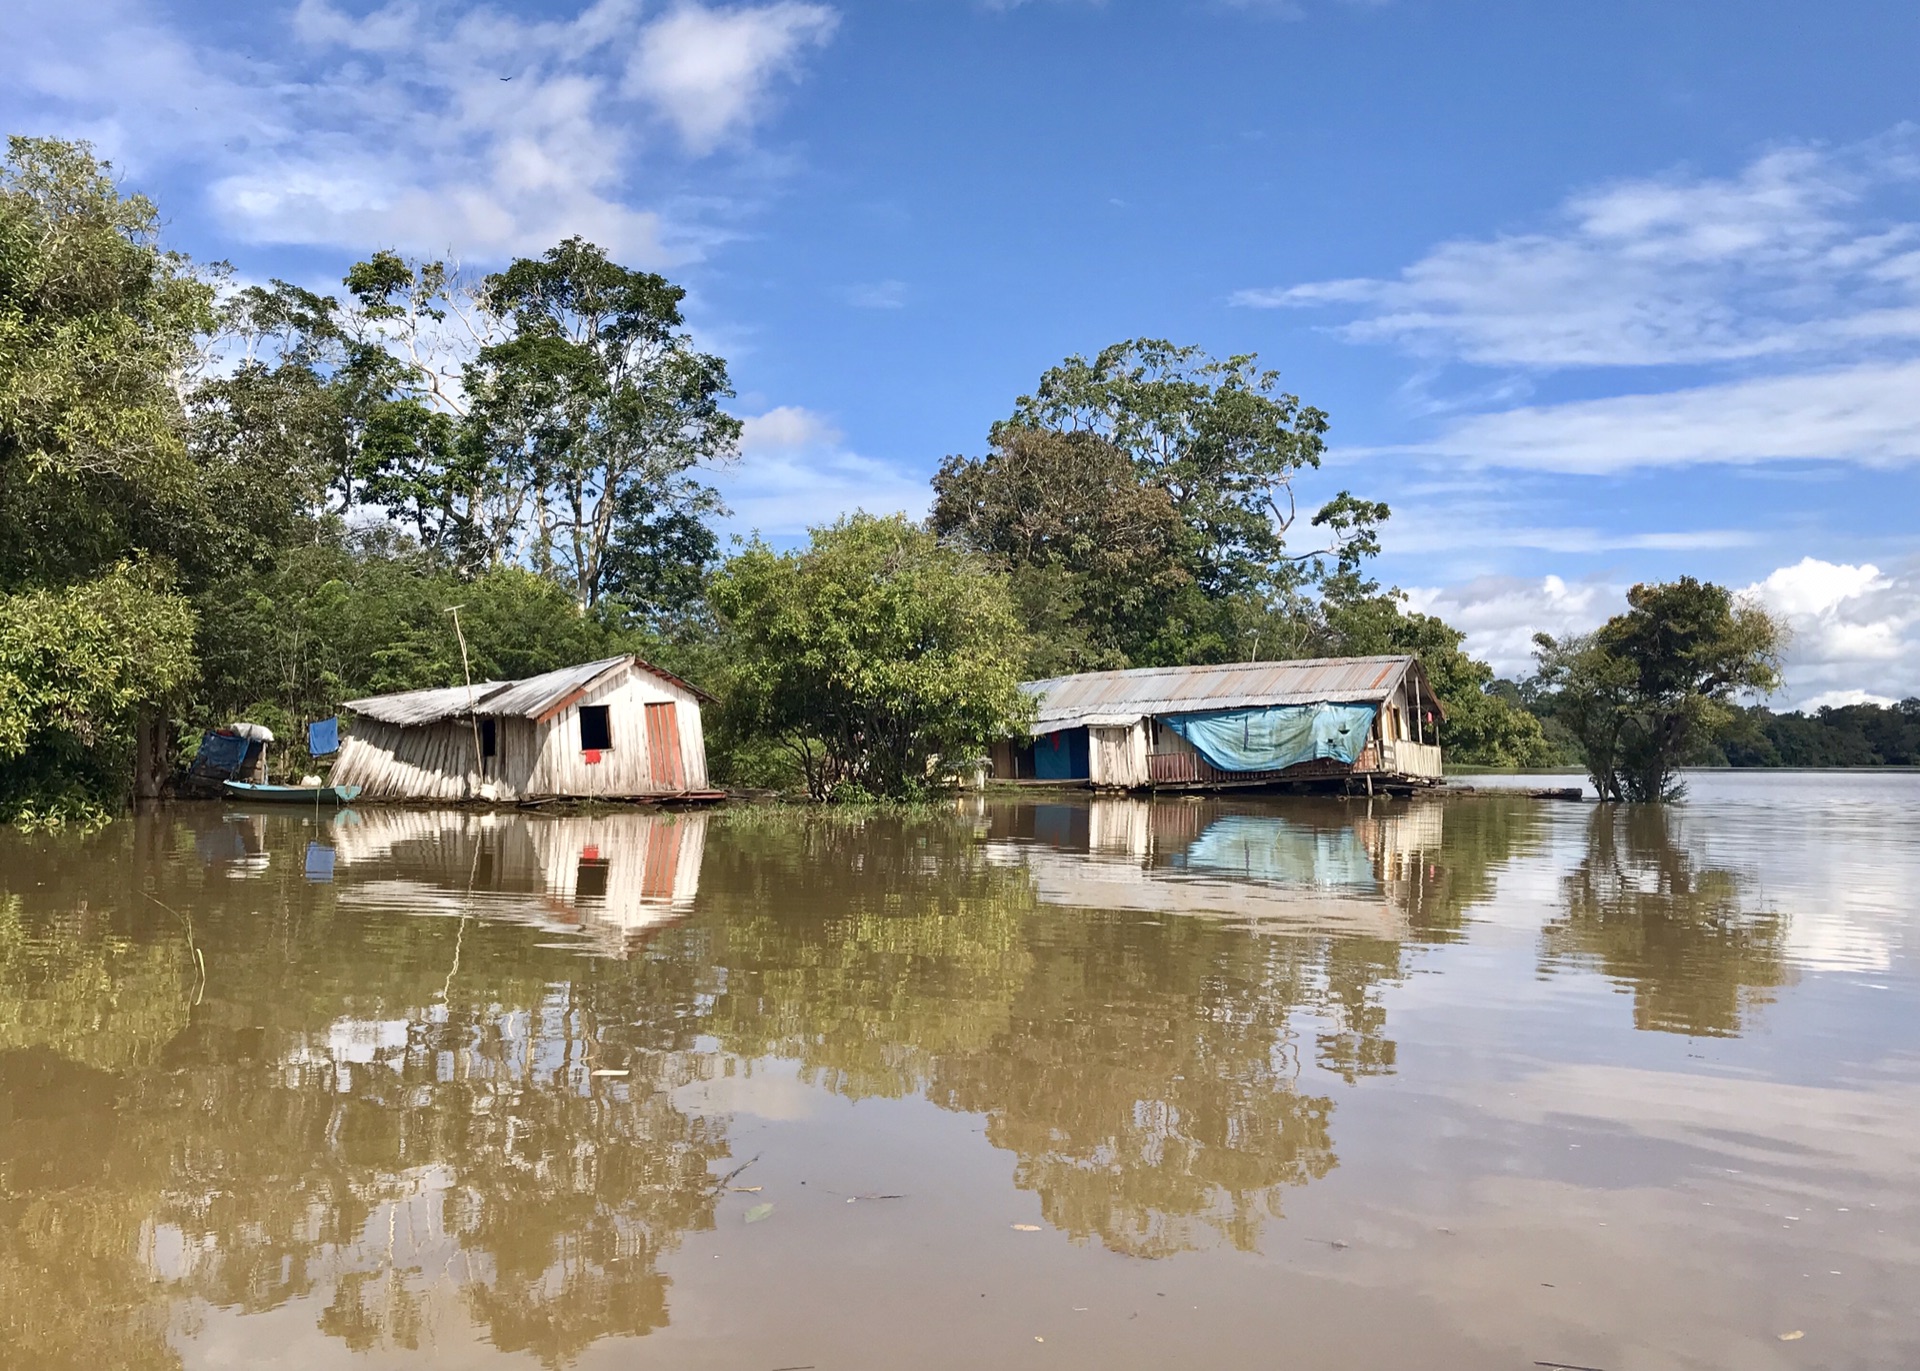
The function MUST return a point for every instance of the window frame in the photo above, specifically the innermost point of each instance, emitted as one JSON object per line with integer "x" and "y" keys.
{"x": 604, "y": 714}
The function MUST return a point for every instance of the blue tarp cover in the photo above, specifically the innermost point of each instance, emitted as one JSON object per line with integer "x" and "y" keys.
{"x": 221, "y": 752}
{"x": 1277, "y": 737}
{"x": 323, "y": 737}
{"x": 319, "y": 862}
{"x": 1061, "y": 756}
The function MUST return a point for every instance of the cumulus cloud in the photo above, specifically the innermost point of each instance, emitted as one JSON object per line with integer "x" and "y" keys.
{"x": 711, "y": 71}
{"x": 424, "y": 124}
{"x": 1500, "y": 614}
{"x": 1793, "y": 256}
{"x": 795, "y": 472}
{"x": 1855, "y": 628}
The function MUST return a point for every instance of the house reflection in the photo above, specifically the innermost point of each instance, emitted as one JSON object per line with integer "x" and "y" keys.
{"x": 1316, "y": 867}
{"x": 611, "y": 879}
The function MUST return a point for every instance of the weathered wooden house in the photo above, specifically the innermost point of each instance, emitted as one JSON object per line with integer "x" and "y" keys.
{"x": 617, "y": 729}
{"x": 1326, "y": 723}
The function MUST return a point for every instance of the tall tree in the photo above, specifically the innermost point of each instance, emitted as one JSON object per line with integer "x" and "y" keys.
{"x": 602, "y": 400}
{"x": 101, "y": 496}
{"x": 1092, "y": 547}
{"x": 1222, "y": 440}
{"x": 1651, "y": 686}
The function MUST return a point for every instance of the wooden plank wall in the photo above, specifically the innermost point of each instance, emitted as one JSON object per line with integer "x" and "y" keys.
{"x": 1117, "y": 755}
{"x": 437, "y": 762}
{"x": 623, "y": 770}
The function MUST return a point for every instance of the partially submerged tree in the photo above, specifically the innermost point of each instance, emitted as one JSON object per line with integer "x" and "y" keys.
{"x": 876, "y": 655}
{"x": 1650, "y": 686}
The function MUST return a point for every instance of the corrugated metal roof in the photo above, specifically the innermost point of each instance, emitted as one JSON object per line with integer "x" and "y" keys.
{"x": 526, "y": 699}
{"x": 1123, "y": 696}
{"x": 535, "y": 695}
{"x": 421, "y": 706}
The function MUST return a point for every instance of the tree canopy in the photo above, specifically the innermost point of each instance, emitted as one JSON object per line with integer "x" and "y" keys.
{"x": 1650, "y": 686}
{"x": 875, "y": 655}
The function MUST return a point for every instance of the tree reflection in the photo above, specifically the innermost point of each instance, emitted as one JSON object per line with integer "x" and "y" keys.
{"x": 1682, "y": 937}
{"x": 1143, "y": 1074}
{"x": 341, "y": 1114}
{"x": 400, "y": 1119}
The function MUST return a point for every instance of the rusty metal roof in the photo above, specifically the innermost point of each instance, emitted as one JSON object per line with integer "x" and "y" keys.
{"x": 526, "y": 699}
{"x": 1121, "y": 697}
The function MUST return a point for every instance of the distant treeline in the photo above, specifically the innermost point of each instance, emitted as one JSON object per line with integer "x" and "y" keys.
{"x": 1845, "y": 735}
{"x": 1756, "y": 736}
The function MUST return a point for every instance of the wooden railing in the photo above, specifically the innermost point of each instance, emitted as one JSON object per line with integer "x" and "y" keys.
{"x": 1402, "y": 758}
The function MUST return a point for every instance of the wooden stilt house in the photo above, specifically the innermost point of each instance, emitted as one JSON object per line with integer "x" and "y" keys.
{"x": 617, "y": 729}
{"x": 1329, "y": 723}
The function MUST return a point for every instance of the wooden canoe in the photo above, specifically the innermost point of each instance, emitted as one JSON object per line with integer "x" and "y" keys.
{"x": 292, "y": 794}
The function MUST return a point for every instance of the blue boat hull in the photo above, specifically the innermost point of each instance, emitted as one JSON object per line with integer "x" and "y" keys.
{"x": 292, "y": 794}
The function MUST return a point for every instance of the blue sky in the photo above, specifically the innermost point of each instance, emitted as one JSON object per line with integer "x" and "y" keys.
{"x": 1593, "y": 293}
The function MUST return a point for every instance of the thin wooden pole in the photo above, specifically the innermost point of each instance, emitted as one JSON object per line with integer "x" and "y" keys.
{"x": 479, "y": 765}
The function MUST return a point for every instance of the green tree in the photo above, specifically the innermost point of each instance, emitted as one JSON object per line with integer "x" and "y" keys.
{"x": 103, "y": 502}
{"x": 873, "y": 655}
{"x": 604, "y": 404}
{"x": 1651, "y": 686}
{"x": 1091, "y": 546}
{"x": 1225, "y": 445}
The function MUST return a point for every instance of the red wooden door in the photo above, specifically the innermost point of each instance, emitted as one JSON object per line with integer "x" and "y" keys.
{"x": 663, "y": 747}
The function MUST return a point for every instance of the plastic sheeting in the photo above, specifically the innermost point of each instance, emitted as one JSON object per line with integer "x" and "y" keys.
{"x": 1277, "y": 737}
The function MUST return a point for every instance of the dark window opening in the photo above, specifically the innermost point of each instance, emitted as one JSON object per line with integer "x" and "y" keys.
{"x": 591, "y": 882}
{"x": 489, "y": 738}
{"x": 596, "y": 730}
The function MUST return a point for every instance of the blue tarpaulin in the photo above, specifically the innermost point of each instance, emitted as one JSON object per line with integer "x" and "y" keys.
{"x": 1277, "y": 737}
{"x": 1061, "y": 756}
{"x": 323, "y": 737}
{"x": 221, "y": 752}
{"x": 1255, "y": 848}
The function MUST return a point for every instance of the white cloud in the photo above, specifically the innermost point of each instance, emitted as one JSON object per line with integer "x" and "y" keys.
{"x": 785, "y": 428}
{"x": 1868, "y": 413}
{"x": 795, "y": 472}
{"x": 710, "y": 70}
{"x": 1500, "y": 614}
{"x": 1835, "y": 699}
{"x": 1856, "y": 631}
{"x": 430, "y": 126}
{"x": 1790, "y": 257}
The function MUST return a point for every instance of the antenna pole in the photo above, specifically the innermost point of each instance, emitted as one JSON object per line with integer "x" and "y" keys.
{"x": 479, "y": 765}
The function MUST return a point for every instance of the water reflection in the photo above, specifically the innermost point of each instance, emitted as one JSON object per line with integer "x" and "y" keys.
{"x": 228, "y": 1086}
{"x": 1688, "y": 940}
{"x": 609, "y": 879}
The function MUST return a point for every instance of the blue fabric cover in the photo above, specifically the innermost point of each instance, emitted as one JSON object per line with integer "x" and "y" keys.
{"x": 1061, "y": 756}
{"x": 221, "y": 752}
{"x": 1278, "y": 737}
{"x": 323, "y": 737}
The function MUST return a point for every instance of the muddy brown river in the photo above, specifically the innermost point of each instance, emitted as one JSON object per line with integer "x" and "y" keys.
{"x": 1483, "y": 1082}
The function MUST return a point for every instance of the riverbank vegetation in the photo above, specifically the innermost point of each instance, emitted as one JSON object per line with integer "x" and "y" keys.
{"x": 222, "y": 501}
